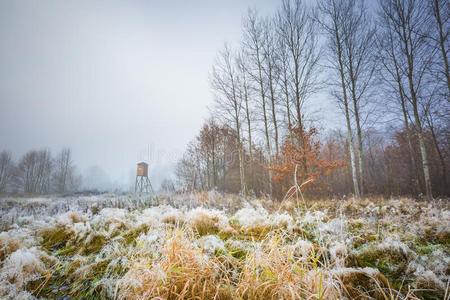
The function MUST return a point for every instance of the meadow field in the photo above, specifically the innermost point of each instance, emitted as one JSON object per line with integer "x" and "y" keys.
{"x": 214, "y": 246}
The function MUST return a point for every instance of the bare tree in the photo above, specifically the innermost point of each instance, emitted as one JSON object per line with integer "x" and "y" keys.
{"x": 394, "y": 80}
{"x": 284, "y": 81}
{"x": 64, "y": 172}
{"x": 335, "y": 14}
{"x": 359, "y": 63}
{"x": 6, "y": 170}
{"x": 245, "y": 95}
{"x": 34, "y": 172}
{"x": 253, "y": 47}
{"x": 211, "y": 152}
{"x": 225, "y": 83}
{"x": 430, "y": 121}
{"x": 441, "y": 14}
{"x": 298, "y": 33}
{"x": 187, "y": 171}
{"x": 168, "y": 186}
{"x": 271, "y": 72}
{"x": 409, "y": 21}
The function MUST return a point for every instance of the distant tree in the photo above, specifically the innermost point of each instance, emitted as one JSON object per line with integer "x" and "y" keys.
{"x": 168, "y": 186}
{"x": 64, "y": 178}
{"x": 210, "y": 160}
{"x": 228, "y": 104}
{"x": 188, "y": 171}
{"x": 208, "y": 140}
{"x": 334, "y": 148}
{"x": 95, "y": 178}
{"x": 6, "y": 170}
{"x": 34, "y": 172}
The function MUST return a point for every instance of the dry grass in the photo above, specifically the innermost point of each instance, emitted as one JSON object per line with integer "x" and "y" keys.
{"x": 369, "y": 249}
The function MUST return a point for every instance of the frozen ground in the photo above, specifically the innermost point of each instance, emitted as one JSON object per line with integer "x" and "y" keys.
{"x": 211, "y": 246}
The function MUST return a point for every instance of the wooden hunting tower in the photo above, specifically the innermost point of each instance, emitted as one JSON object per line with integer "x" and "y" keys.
{"x": 142, "y": 184}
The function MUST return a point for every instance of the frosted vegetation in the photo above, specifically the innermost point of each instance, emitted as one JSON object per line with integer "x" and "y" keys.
{"x": 210, "y": 246}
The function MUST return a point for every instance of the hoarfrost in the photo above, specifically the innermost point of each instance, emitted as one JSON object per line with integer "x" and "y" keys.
{"x": 211, "y": 243}
{"x": 250, "y": 217}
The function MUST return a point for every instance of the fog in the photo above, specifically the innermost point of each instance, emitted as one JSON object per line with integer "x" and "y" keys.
{"x": 117, "y": 81}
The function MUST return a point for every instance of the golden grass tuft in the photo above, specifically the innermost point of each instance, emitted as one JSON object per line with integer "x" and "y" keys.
{"x": 183, "y": 272}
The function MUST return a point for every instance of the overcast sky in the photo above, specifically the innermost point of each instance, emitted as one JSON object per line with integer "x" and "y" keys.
{"x": 113, "y": 80}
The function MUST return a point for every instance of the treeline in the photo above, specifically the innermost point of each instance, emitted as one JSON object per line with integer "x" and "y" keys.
{"x": 38, "y": 172}
{"x": 386, "y": 71}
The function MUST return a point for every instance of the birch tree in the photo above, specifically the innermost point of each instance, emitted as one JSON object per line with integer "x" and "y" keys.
{"x": 225, "y": 83}
{"x": 393, "y": 78}
{"x": 335, "y": 20}
{"x": 285, "y": 81}
{"x": 359, "y": 63}
{"x": 409, "y": 21}
{"x": 253, "y": 46}
{"x": 440, "y": 10}
{"x": 297, "y": 31}
{"x": 245, "y": 96}
{"x": 270, "y": 53}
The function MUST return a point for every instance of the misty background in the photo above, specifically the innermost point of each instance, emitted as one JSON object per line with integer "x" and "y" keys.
{"x": 116, "y": 81}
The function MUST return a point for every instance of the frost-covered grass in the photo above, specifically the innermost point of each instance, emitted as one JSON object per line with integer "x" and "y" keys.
{"x": 211, "y": 246}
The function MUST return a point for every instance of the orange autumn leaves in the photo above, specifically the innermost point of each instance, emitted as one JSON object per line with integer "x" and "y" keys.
{"x": 301, "y": 160}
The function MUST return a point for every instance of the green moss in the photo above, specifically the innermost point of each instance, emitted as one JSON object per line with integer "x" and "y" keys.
{"x": 391, "y": 262}
{"x": 118, "y": 268}
{"x": 443, "y": 238}
{"x": 433, "y": 239}
{"x": 267, "y": 275}
{"x": 428, "y": 290}
{"x": 234, "y": 223}
{"x": 359, "y": 285}
{"x": 235, "y": 251}
{"x": 64, "y": 246}
{"x": 220, "y": 252}
{"x": 47, "y": 286}
{"x": 130, "y": 236}
{"x": 206, "y": 226}
{"x": 56, "y": 238}
{"x": 355, "y": 226}
{"x": 431, "y": 235}
{"x": 225, "y": 235}
{"x": 85, "y": 285}
{"x": 94, "y": 245}
{"x": 306, "y": 232}
{"x": 71, "y": 280}
{"x": 251, "y": 233}
{"x": 67, "y": 251}
{"x": 258, "y": 232}
{"x": 426, "y": 249}
{"x": 364, "y": 239}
